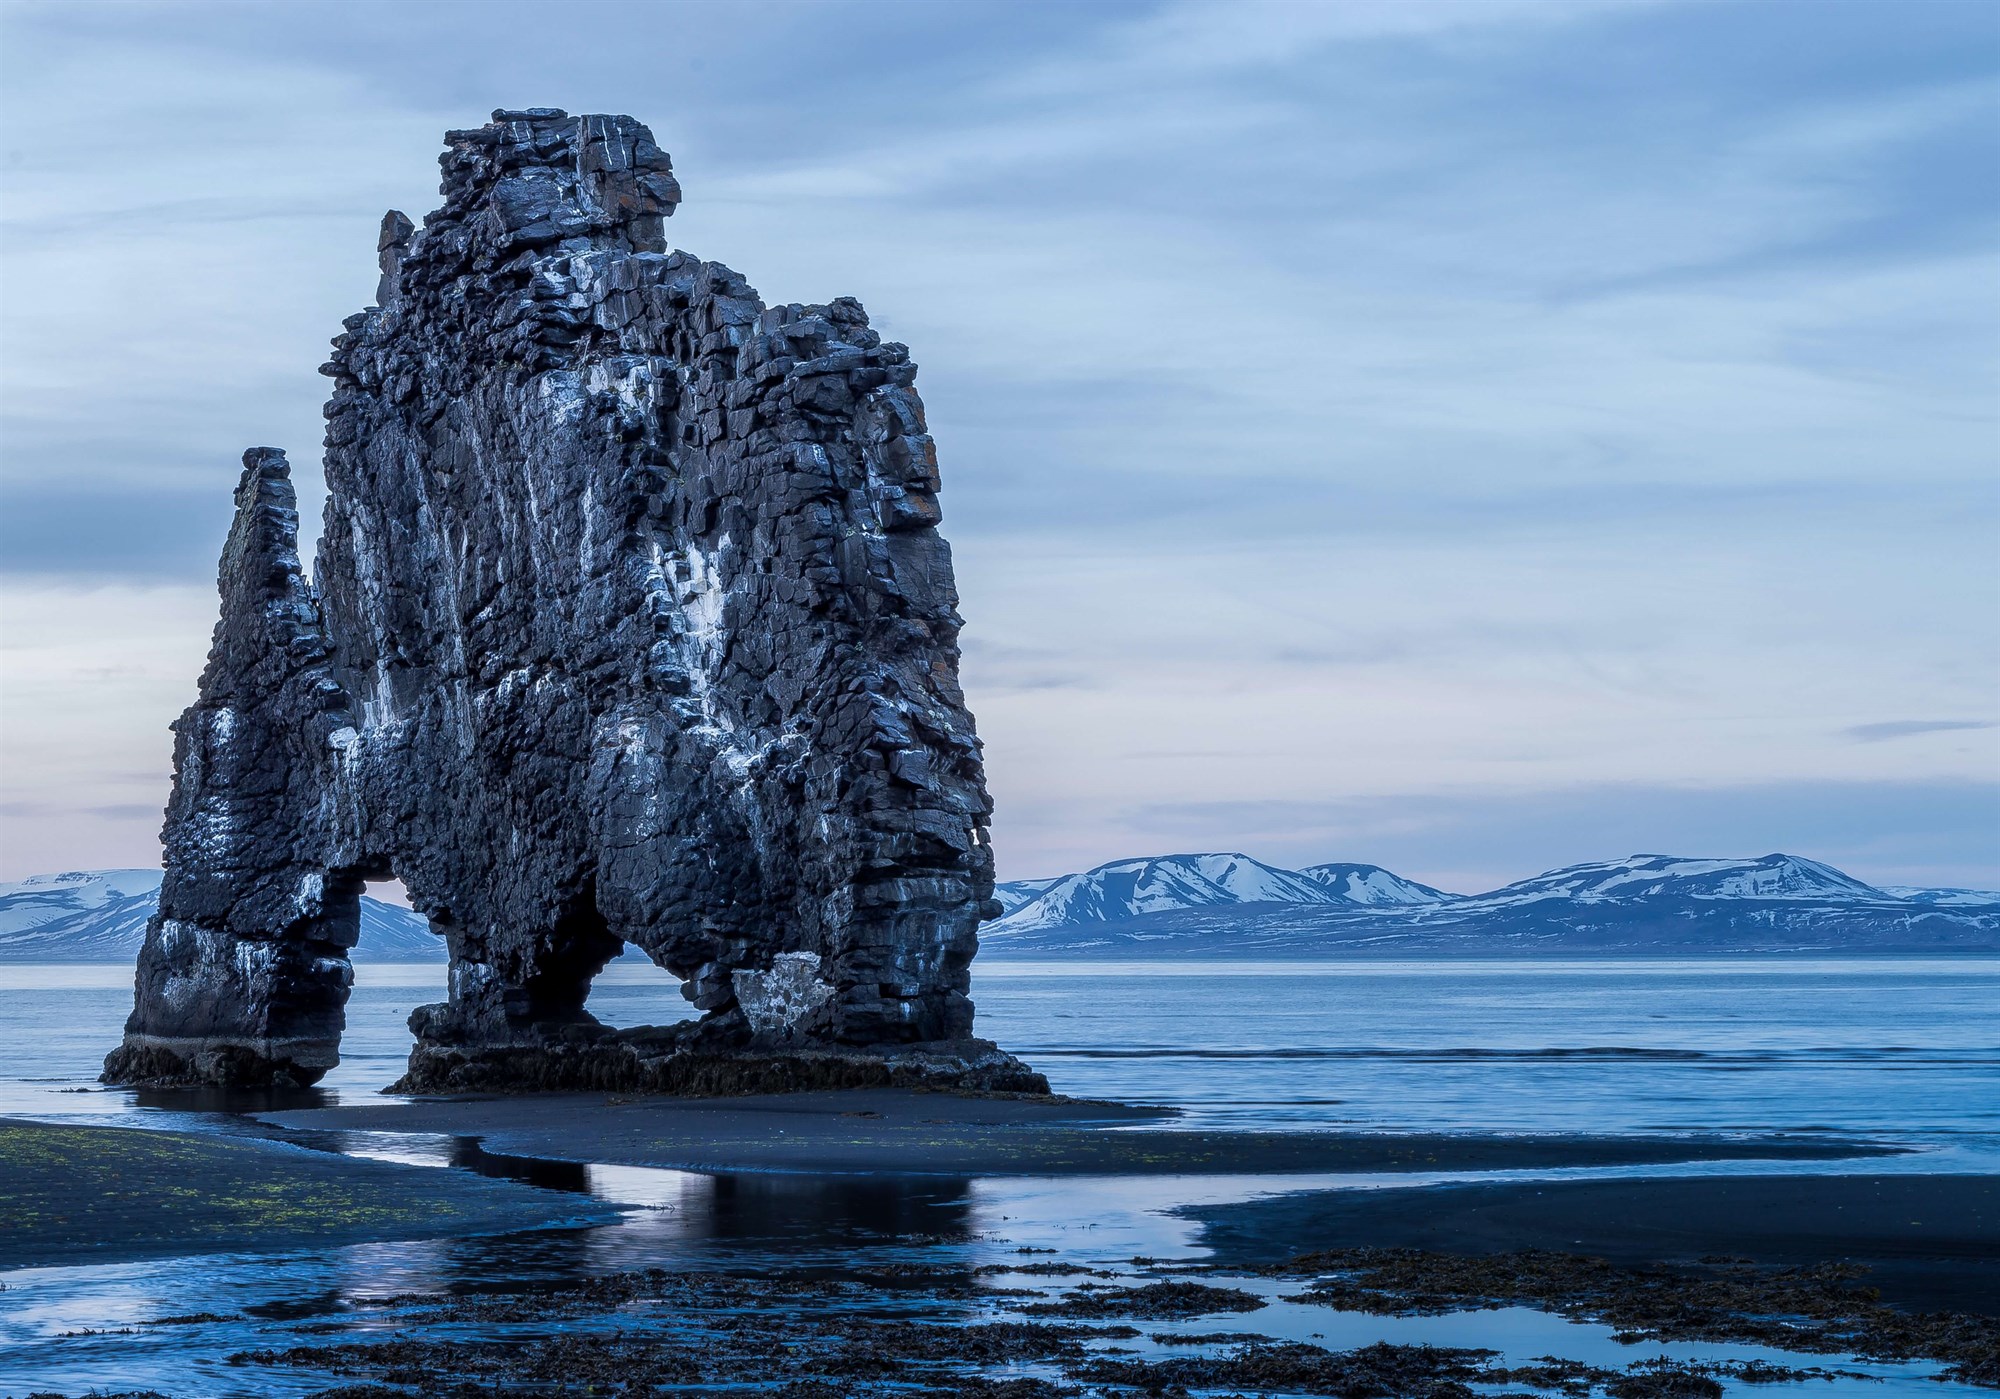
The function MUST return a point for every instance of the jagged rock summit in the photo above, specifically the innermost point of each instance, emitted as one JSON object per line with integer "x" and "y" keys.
{"x": 631, "y": 623}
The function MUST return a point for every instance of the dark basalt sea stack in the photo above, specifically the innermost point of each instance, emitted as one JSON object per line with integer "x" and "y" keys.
{"x": 631, "y": 623}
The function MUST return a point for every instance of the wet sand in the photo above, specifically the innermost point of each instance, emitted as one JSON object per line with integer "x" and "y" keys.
{"x": 76, "y": 1195}
{"x": 901, "y": 1132}
{"x": 1928, "y": 1241}
{"x": 85, "y": 1194}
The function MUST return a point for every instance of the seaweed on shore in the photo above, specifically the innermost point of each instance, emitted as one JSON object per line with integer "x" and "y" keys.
{"x": 790, "y": 1336}
{"x": 1384, "y": 1370}
{"x": 918, "y": 1331}
{"x": 1380, "y": 1371}
{"x": 797, "y": 1354}
{"x": 1155, "y": 1301}
{"x": 1823, "y": 1309}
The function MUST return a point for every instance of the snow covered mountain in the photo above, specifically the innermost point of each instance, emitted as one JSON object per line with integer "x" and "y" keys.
{"x": 95, "y": 915}
{"x": 1655, "y": 876}
{"x": 1013, "y": 893}
{"x": 1130, "y": 888}
{"x": 1231, "y": 905}
{"x": 1374, "y": 886}
{"x": 1943, "y": 898}
{"x": 100, "y": 916}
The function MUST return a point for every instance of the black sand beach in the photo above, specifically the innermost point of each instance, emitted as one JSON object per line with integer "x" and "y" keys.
{"x": 1928, "y": 1241}
{"x": 71, "y": 1195}
{"x": 900, "y": 1132}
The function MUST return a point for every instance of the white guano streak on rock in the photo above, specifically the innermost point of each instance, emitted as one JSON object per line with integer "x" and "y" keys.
{"x": 777, "y": 999}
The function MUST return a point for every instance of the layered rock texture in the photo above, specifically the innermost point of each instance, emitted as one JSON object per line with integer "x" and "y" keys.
{"x": 631, "y": 623}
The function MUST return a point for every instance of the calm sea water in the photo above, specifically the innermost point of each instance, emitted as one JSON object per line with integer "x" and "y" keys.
{"x": 1905, "y": 1052}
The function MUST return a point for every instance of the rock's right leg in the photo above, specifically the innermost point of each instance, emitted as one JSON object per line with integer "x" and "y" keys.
{"x": 516, "y": 1005}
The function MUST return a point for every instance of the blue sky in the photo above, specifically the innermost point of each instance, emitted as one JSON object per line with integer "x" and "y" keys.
{"x": 1473, "y": 437}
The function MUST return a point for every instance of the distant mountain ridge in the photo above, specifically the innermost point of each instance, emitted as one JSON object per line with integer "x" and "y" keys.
{"x": 1947, "y": 898}
{"x": 100, "y": 916}
{"x": 1228, "y": 904}
{"x": 1231, "y": 904}
{"x": 1127, "y": 888}
{"x": 1653, "y": 876}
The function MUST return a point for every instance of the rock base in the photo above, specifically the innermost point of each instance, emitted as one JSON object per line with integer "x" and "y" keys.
{"x": 656, "y": 1060}
{"x": 145, "y": 1062}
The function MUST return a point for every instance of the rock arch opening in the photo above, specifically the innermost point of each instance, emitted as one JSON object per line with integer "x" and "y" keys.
{"x": 633, "y": 991}
{"x": 400, "y": 961}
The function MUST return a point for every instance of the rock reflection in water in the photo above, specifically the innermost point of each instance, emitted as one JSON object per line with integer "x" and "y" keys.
{"x": 231, "y": 1101}
{"x": 799, "y": 1216}
{"x": 571, "y": 1176}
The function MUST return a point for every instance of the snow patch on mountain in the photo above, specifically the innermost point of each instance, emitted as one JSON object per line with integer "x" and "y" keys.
{"x": 1374, "y": 887}
{"x": 1130, "y": 888}
{"x": 1788, "y": 877}
{"x": 1944, "y": 898}
{"x": 42, "y": 898}
{"x": 1013, "y": 893}
{"x": 1126, "y": 889}
{"x": 101, "y": 916}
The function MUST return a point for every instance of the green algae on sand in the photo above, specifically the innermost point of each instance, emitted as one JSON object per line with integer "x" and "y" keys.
{"x": 82, "y": 1194}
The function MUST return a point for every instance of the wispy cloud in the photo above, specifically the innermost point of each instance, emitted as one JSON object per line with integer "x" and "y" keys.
{"x": 135, "y": 531}
{"x": 1335, "y": 399}
{"x": 1909, "y": 728}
